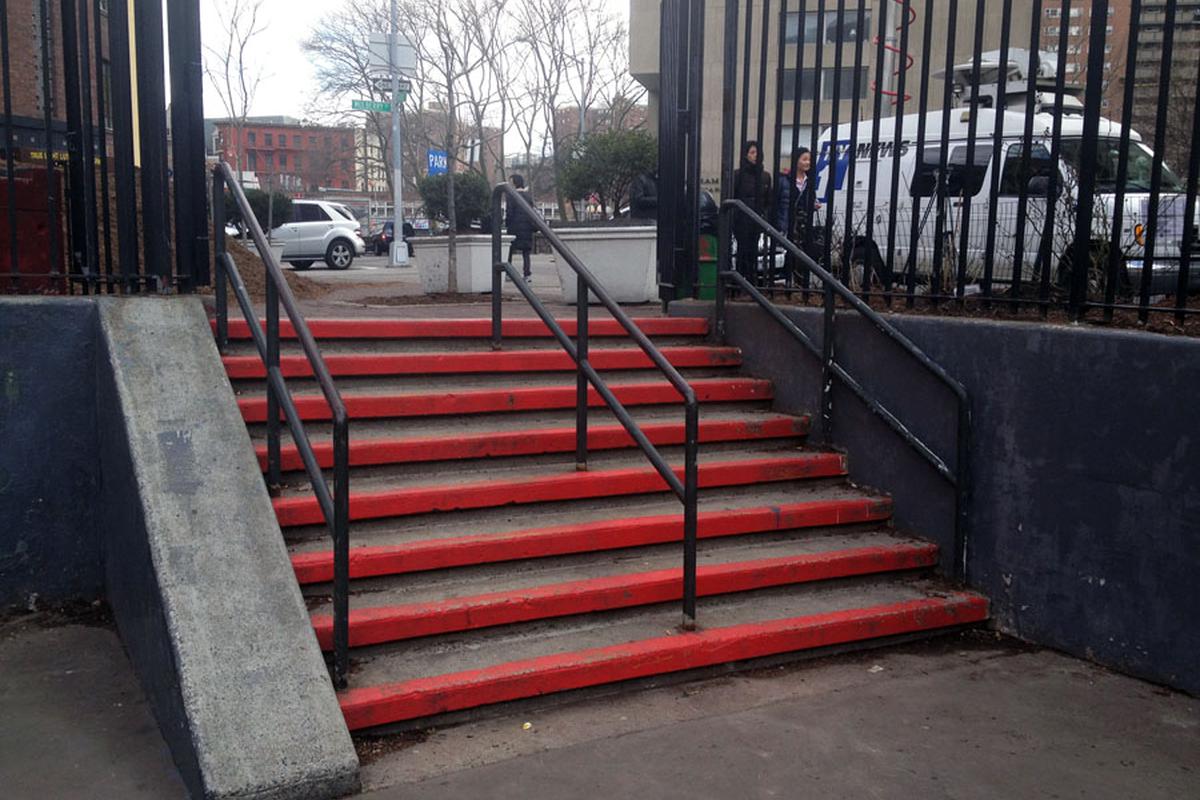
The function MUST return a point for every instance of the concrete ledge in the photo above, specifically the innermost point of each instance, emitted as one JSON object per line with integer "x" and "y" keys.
{"x": 197, "y": 572}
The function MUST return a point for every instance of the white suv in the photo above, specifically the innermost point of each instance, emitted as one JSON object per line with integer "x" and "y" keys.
{"x": 320, "y": 230}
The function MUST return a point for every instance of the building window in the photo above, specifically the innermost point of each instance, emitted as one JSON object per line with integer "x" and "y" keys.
{"x": 312, "y": 140}
{"x": 808, "y": 84}
{"x": 837, "y": 28}
{"x": 843, "y": 80}
{"x": 267, "y": 139}
{"x": 298, "y": 162}
{"x": 252, "y": 161}
{"x": 250, "y": 137}
{"x": 283, "y": 140}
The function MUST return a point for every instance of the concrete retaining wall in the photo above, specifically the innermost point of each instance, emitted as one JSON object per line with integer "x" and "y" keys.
{"x": 49, "y": 484}
{"x": 1085, "y": 522}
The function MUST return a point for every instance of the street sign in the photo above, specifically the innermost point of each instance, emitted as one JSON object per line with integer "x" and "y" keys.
{"x": 403, "y": 57}
{"x": 371, "y": 105}
{"x": 438, "y": 162}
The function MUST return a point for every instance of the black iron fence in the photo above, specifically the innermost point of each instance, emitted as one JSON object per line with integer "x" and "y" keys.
{"x": 90, "y": 201}
{"x": 1008, "y": 154}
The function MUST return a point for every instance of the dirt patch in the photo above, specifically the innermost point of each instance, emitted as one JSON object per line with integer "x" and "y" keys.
{"x": 254, "y": 276}
{"x": 18, "y": 621}
{"x": 372, "y": 748}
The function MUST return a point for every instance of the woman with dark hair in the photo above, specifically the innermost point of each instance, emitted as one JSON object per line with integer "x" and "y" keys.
{"x": 752, "y": 186}
{"x": 795, "y": 201}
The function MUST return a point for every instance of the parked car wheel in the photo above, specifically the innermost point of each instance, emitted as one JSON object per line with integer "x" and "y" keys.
{"x": 300, "y": 264}
{"x": 340, "y": 254}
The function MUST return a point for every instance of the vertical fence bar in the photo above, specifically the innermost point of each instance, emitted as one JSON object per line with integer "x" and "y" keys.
{"x": 724, "y": 264}
{"x": 1046, "y": 251}
{"x": 876, "y": 111}
{"x": 695, "y": 114}
{"x": 152, "y": 136}
{"x": 581, "y": 381}
{"x": 747, "y": 41}
{"x": 1156, "y": 170}
{"x": 781, "y": 193}
{"x": 898, "y": 145}
{"x": 54, "y": 195}
{"x": 87, "y": 148}
{"x": 187, "y": 143}
{"x": 922, "y": 114}
{"x": 220, "y": 291}
{"x": 76, "y": 229}
{"x": 10, "y": 172}
{"x": 1081, "y": 259}
{"x": 797, "y": 95}
{"x": 764, "y": 40}
{"x": 942, "y": 195}
{"x": 102, "y": 116}
{"x": 1189, "y": 214}
{"x": 852, "y": 168}
{"x": 1035, "y": 36}
{"x": 815, "y": 132}
{"x": 497, "y": 270}
{"x": 834, "y": 158}
{"x": 122, "y": 123}
{"x": 1115, "y": 257}
{"x": 728, "y": 99}
{"x": 964, "y": 209}
{"x": 1001, "y": 105}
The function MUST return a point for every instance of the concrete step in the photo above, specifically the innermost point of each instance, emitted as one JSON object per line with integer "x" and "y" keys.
{"x": 528, "y": 398}
{"x": 431, "y": 603}
{"x": 419, "y": 548}
{"x": 475, "y": 328}
{"x": 417, "y": 678}
{"x": 533, "y": 441}
{"x": 245, "y": 347}
{"x": 484, "y": 362}
{"x": 520, "y": 487}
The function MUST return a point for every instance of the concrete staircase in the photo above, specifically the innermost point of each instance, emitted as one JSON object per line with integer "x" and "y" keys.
{"x": 485, "y": 568}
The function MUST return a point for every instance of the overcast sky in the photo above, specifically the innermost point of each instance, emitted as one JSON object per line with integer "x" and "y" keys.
{"x": 288, "y": 85}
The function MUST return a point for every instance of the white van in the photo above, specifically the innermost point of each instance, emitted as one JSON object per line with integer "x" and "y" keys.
{"x": 919, "y": 252}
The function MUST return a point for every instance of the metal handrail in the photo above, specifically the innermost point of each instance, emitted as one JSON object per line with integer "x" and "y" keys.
{"x": 957, "y": 476}
{"x": 335, "y": 507}
{"x": 586, "y": 374}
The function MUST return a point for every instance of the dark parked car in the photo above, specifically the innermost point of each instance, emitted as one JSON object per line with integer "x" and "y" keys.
{"x": 381, "y": 241}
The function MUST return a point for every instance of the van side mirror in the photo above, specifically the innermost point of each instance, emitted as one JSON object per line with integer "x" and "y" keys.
{"x": 1039, "y": 186}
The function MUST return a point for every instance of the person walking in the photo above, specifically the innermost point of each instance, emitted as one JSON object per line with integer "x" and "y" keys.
{"x": 752, "y": 186}
{"x": 520, "y": 226}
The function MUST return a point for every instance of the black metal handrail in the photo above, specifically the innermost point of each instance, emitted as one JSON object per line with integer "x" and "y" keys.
{"x": 586, "y": 282}
{"x": 957, "y": 476}
{"x": 335, "y": 506}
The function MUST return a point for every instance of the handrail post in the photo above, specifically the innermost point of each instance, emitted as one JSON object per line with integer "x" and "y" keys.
{"x": 724, "y": 256}
{"x": 274, "y": 477}
{"x": 691, "y": 437}
{"x": 219, "y": 289}
{"x": 827, "y": 358}
{"x": 962, "y": 488}
{"x": 341, "y": 549}
{"x": 581, "y": 381}
{"x": 497, "y": 274}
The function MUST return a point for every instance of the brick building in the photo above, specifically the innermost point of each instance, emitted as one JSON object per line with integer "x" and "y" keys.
{"x": 290, "y": 155}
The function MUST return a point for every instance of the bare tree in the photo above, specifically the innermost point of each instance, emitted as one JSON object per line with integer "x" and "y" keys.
{"x": 235, "y": 79}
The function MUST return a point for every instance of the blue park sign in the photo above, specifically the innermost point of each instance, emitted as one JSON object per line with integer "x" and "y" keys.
{"x": 437, "y": 162}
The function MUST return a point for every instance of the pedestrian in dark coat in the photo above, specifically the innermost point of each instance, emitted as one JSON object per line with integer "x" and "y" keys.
{"x": 752, "y": 186}
{"x": 797, "y": 189}
{"x": 643, "y": 196}
{"x": 518, "y": 223}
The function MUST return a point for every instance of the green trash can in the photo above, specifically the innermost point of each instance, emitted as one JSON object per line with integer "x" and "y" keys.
{"x": 706, "y": 280}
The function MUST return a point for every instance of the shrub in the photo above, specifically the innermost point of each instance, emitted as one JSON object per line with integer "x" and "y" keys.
{"x": 471, "y": 197}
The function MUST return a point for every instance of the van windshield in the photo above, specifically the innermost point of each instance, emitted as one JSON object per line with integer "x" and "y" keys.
{"x": 1139, "y": 170}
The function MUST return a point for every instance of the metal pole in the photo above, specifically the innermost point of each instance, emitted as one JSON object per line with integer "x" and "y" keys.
{"x": 399, "y": 256}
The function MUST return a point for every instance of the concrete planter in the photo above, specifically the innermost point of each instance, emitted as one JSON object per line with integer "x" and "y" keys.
{"x": 432, "y": 255}
{"x": 622, "y": 259}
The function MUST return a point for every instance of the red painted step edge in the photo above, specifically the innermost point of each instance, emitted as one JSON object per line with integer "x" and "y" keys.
{"x": 382, "y": 364}
{"x": 536, "y": 398}
{"x": 470, "y": 328}
{"x": 497, "y": 444}
{"x": 421, "y": 697}
{"x": 388, "y": 624}
{"x": 558, "y": 486}
{"x": 488, "y": 548}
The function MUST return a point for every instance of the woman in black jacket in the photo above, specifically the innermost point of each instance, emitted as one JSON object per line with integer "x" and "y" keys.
{"x": 518, "y": 223}
{"x": 752, "y": 186}
{"x": 797, "y": 191}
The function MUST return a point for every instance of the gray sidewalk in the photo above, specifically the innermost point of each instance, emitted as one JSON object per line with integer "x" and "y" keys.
{"x": 966, "y": 716}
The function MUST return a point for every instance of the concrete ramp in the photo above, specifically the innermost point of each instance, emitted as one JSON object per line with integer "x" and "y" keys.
{"x": 197, "y": 572}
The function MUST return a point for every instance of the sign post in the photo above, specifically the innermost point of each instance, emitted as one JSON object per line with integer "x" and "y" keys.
{"x": 395, "y": 54}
